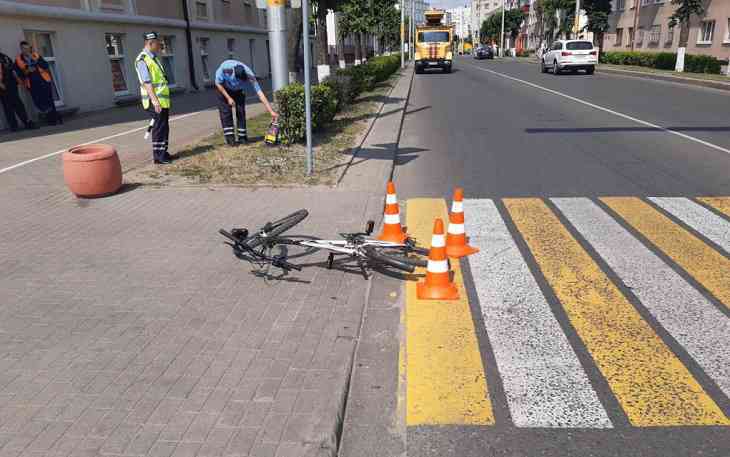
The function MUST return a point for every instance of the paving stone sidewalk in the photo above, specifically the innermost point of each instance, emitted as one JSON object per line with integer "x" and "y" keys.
{"x": 128, "y": 328}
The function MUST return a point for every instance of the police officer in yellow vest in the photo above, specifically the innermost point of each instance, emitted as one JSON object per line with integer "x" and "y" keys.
{"x": 155, "y": 96}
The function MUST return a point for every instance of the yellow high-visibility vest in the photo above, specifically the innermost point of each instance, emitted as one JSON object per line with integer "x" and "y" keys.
{"x": 157, "y": 79}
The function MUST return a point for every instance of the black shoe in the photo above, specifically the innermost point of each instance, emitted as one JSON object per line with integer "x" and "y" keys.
{"x": 13, "y": 129}
{"x": 243, "y": 140}
{"x": 31, "y": 125}
{"x": 163, "y": 161}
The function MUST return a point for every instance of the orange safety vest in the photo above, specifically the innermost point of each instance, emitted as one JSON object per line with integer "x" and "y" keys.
{"x": 20, "y": 62}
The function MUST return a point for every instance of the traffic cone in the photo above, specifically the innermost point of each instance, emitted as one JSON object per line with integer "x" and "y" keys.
{"x": 392, "y": 230}
{"x": 456, "y": 237}
{"x": 438, "y": 285}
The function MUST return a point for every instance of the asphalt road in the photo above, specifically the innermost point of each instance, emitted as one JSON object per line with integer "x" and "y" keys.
{"x": 500, "y": 137}
{"x": 600, "y": 298}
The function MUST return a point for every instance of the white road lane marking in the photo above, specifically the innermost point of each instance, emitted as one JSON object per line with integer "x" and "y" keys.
{"x": 607, "y": 110}
{"x": 98, "y": 140}
{"x": 543, "y": 379}
{"x": 708, "y": 224}
{"x": 695, "y": 323}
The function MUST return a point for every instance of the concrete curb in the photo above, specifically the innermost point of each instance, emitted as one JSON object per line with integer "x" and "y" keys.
{"x": 327, "y": 433}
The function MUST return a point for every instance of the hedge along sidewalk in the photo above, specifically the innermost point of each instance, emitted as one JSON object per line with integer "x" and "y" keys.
{"x": 721, "y": 82}
{"x": 211, "y": 162}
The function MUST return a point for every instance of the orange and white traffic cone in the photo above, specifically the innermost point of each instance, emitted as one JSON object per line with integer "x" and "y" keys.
{"x": 456, "y": 245}
{"x": 438, "y": 285}
{"x": 392, "y": 230}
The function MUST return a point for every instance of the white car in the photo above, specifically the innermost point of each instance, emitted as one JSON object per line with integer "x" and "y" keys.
{"x": 571, "y": 55}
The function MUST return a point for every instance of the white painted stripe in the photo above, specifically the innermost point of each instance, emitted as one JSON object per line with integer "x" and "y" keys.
{"x": 391, "y": 199}
{"x": 456, "y": 229}
{"x": 543, "y": 379}
{"x": 607, "y": 110}
{"x": 438, "y": 241}
{"x": 438, "y": 266}
{"x": 98, "y": 140}
{"x": 695, "y": 323}
{"x": 707, "y": 223}
{"x": 391, "y": 218}
{"x": 457, "y": 207}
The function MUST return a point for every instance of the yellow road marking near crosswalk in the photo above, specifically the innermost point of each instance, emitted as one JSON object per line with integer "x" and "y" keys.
{"x": 446, "y": 384}
{"x": 721, "y": 204}
{"x": 652, "y": 385}
{"x": 706, "y": 265}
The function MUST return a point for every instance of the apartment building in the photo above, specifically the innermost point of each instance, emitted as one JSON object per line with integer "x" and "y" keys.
{"x": 708, "y": 34}
{"x": 91, "y": 44}
{"x": 480, "y": 11}
{"x": 460, "y": 17}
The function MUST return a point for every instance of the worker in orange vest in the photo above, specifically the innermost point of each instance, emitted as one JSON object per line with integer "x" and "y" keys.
{"x": 36, "y": 73}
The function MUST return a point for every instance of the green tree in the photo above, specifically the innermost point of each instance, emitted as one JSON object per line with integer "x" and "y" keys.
{"x": 559, "y": 16}
{"x": 682, "y": 15}
{"x": 597, "y": 12}
{"x": 492, "y": 26}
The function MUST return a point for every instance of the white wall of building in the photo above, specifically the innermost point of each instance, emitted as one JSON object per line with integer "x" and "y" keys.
{"x": 461, "y": 19}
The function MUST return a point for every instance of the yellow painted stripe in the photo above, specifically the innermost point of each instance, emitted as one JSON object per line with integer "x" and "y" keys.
{"x": 706, "y": 265}
{"x": 652, "y": 385}
{"x": 446, "y": 383}
{"x": 721, "y": 204}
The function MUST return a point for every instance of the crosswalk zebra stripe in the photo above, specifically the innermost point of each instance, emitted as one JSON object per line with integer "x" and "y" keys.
{"x": 692, "y": 320}
{"x": 543, "y": 379}
{"x": 651, "y": 384}
{"x": 721, "y": 204}
{"x": 704, "y": 221}
{"x": 706, "y": 265}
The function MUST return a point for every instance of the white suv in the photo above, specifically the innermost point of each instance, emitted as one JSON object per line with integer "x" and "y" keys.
{"x": 570, "y": 55}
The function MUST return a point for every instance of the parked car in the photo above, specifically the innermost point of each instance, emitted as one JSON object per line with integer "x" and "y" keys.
{"x": 569, "y": 55}
{"x": 484, "y": 52}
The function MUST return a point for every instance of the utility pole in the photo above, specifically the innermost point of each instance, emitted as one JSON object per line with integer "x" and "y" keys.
{"x": 413, "y": 29}
{"x": 307, "y": 85}
{"x": 276, "y": 14}
{"x": 501, "y": 46}
{"x": 402, "y": 34}
{"x": 576, "y": 21}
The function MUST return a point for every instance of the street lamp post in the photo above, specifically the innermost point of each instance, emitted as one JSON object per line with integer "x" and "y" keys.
{"x": 413, "y": 29}
{"x": 501, "y": 46}
{"x": 576, "y": 21}
{"x": 307, "y": 86}
{"x": 402, "y": 34}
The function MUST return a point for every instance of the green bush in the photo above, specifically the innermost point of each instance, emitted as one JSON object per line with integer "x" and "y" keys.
{"x": 290, "y": 101}
{"x": 663, "y": 61}
{"x": 337, "y": 91}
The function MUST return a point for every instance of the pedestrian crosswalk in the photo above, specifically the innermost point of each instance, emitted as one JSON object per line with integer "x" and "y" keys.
{"x": 589, "y": 303}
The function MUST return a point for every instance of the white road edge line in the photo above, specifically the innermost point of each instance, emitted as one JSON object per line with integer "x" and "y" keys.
{"x": 98, "y": 140}
{"x": 608, "y": 110}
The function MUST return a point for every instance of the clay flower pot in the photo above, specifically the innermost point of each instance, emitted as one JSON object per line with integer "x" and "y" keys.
{"x": 92, "y": 170}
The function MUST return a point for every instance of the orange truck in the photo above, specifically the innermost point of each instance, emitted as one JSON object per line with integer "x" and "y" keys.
{"x": 434, "y": 43}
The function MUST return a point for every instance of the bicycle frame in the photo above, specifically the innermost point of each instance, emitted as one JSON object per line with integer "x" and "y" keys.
{"x": 347, "y": 246}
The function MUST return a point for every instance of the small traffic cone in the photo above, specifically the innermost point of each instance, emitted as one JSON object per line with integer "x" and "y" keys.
{"x": 438, "y": 285}
{"x": 456, "y": 237}
{"x": 392, "y": 230}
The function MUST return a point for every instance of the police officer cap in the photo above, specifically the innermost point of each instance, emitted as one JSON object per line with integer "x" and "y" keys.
{"x": 240, "y": 72}
{"x": 150, "y": 36}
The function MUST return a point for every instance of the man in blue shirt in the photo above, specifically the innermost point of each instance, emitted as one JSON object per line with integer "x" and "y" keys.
{"x": 233, "y": 79}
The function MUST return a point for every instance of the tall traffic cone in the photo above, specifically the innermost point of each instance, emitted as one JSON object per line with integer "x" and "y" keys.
{"x": 456, "y": 237}
{"x": 438, "y": 285}
{"x": 392, "y": 230}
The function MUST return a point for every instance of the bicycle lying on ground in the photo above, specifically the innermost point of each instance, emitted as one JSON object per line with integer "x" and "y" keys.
{"x": 258, "y": 248}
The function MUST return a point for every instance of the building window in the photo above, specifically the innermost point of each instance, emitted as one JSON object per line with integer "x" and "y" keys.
{"x": 706, "y": 32}
{"x": 268, "y": 56}
{"x": 203, "y": 45}
{"x": 42, "y": 43}
{"x": 252, "y": 53}
{"x": 640, "y": 38}
{"x": 727, "y": 33}
{"x": 167, "y": 57}
{"x": 248, "y": 13}
{"x": 655, "y": 34}
{"x": 201, "y": 9}
{"x": 231, "y": 46}
{"x": 114, "y": 6}
{"x": 670, "y": 37}
{"x": 631, "y": 37}
{"x": 620, "y": 5}
{"x": 619, "y": 37}
{"x": 115, "y": 51}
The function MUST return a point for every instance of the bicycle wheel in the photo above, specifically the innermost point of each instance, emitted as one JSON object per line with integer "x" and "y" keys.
{"x": 274, "y": 229}
{"x": 394, "y": 259}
